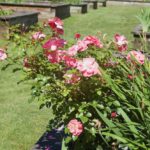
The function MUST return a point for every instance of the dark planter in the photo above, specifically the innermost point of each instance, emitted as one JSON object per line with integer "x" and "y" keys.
{"x": 46, "y": 9}
{"x": 61, "y": 10}
{"x": 138, "y": 35}
{"x": 83, "y": 7}
{"x": 94, "y": 2}
{"x": 103, "y": 2}
{"x": 23, "y": 19}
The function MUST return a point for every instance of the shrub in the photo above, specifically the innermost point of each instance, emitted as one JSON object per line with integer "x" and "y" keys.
{"x": 98, "y": 89}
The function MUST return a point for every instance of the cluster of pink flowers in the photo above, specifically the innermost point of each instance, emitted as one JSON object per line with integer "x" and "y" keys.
{"x": 137, "y": 55}
{"x": 82, "y": 45}
{"x": 55, "y": 56}
{"x": 54, "y": 44}
{"x": 121, "y": 42}
{"x": 56, "y": 25}
{"x": 75, "y": 127}
{"x": 92, "y": 40}
{"x": 88, "y": 67}
{"x": 3, "y": 55}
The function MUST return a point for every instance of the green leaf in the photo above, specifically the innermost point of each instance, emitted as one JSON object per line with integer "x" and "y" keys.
{"x": 109, "y": 123}
{"x": 68, "y": 139}
{"x": 127, "y": 119}
{"x": 114, "y": 136}
{"x": 84, "y": 119}
{"x": 64, "y": 147}
{"x": 74, "y": 138}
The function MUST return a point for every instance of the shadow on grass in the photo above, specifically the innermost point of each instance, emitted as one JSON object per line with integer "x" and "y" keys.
{"x": 50, "y": 140}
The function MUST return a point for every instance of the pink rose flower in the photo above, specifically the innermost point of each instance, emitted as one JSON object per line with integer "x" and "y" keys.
{"x": 55, "y": 56}
{"x": 3, "y": 55}
{"x": 38, "y": 36}
{"x": 70, "y": 62}
{"x": 138, "y": 56}
{"x": 56, "y": 25}
{"x": 82, "y": 46}
{"x": 54, "y": 44}
{"x": 71, "y": 78}
{"x": 75, "y": 127}
{"x": 72, "y": 51}
{"x": 121, "y": 42}
{"x": 93, "y": 40}
{"x": 88, "y": 67}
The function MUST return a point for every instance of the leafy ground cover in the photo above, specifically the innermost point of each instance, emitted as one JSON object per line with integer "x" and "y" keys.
{"x": 21, "y": 123}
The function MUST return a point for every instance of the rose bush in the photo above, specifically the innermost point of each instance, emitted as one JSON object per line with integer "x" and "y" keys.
{"x": 98, "y": 89}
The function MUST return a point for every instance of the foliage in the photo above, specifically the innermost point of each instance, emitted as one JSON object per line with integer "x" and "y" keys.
{"x": 144, "y": 18}
{"x": 108, "y": 95}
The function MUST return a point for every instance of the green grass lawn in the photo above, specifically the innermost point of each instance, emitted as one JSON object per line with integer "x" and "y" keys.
{"x": 21, "y": 123}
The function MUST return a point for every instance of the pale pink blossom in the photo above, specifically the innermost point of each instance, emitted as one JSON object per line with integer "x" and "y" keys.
{"x": 75, "y": 127}
{"x": 3, "y": 55}
{"x": 137, "y": 55}
{"x": 79, "y": 47}
{"x": 38, "y": 36}
{"x": 54, "y": 44}
{"x": 88, "y": 67}
{"x": 93, "y": 40}
{"x": 56, "y": 25}
{"x": 82, "y": 46}
{"x": 121, "y": 42}
{"x": 71, "y": 78}
{"x": 55, "y": 56}
{"x": 70, "y": 61}
{"x": 72, "y": 51}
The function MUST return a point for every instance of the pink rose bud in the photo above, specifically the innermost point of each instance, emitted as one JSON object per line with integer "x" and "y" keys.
{"x": 77, "y": 36}
{"x": 114, "y": 114}
{"x": 130, "y": 77}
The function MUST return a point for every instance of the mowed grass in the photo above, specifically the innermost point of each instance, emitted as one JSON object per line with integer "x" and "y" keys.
{"x": 21, "y": 123}
{"x": 109, "y": 20}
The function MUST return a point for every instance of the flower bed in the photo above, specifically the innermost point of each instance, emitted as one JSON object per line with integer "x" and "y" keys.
{"x": 97, "y": 88}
